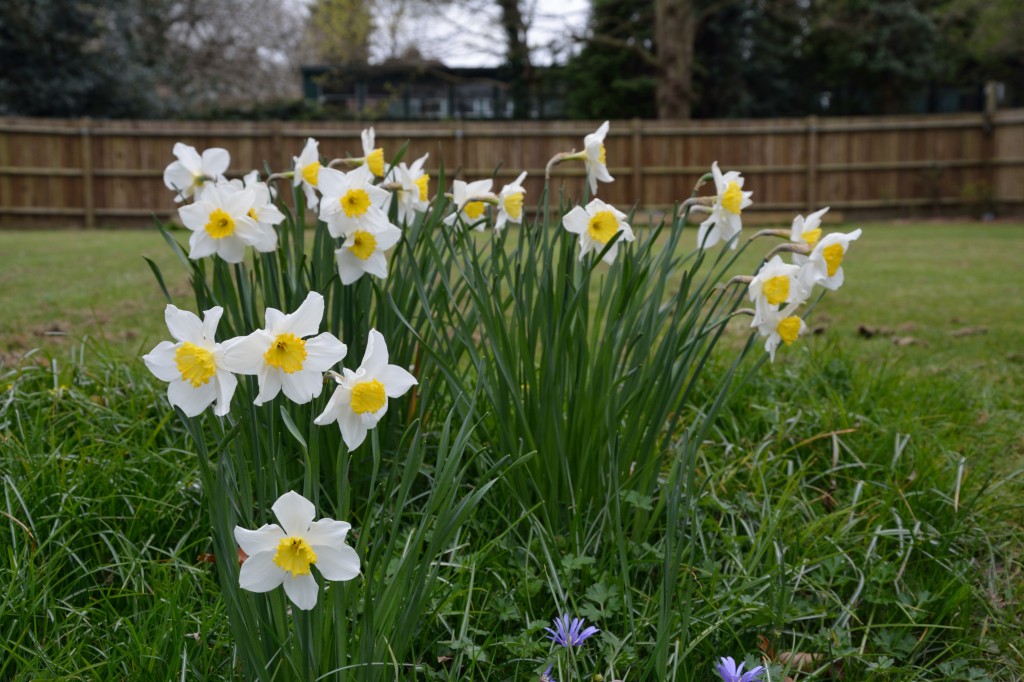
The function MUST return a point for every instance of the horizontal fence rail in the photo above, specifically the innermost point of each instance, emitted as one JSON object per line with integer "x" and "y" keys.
{"x": 86, "y": 173}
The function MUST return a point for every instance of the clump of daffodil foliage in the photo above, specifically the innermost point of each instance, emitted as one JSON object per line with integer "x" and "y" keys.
{"x": 546, "y": 362}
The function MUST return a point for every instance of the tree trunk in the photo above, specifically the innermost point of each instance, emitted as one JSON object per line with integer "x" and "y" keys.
{"x": 518, "y": 56}
{"x": 675, "y": 30}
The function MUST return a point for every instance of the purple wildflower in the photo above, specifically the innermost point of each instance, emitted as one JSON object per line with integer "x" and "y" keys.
{"x": 546, "y": 675}
{"x": 568, "y": 633}
{"x": 730, "y": 673}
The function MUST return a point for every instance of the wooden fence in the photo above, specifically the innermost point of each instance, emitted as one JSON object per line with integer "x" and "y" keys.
{"x": 107, "y": 172}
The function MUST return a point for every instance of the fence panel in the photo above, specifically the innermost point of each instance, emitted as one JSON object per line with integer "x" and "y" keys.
{"x": 80, "y": 172}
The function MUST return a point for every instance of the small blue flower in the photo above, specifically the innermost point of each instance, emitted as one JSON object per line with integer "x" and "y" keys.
{"x": 568, "y": 633}
{"x": 546, "y": 676}
{"x": 730, "y": 673}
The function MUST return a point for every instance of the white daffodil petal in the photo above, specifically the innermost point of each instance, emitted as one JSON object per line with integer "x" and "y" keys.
{"x": 305, "y": 321}
{"x": 332, "y": 410}
{"x": 302, "y": 590}
{"x": 226, "y": 385}
{"x": 244, "y": 354}
{"x": 161, "y": 362}
{"x": 183, "y": 325}
{"x": 215, "y": 162}
{"x": 211, "y": 318}
{"x": 259, "y": 573}
{"x": 294, "y": 512}
{"x": 191, "y": 400}
{"x": 337, "y": 563}
{"x": 231, "y": 249}
{"x": 396, "y": 380}
{"x": 302, "y": 386}
{"x": 263, "y": 539}
{"x": 327, "y": 532}
{"x": 576, "y": 220}
{"x": 270, "y": 385}
{"x": 353, "y": 431}
{"x": 323, "y": 352}
{"x": 375, "y": 357}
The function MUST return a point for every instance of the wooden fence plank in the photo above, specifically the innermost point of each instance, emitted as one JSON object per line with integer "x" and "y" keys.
{"x": 112, "y": 174}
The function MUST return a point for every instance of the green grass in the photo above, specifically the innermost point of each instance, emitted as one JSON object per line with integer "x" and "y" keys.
{"x": 852, "y": 500}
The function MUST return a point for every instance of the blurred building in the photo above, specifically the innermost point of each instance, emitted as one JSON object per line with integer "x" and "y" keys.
{"x": 429, "y": 91}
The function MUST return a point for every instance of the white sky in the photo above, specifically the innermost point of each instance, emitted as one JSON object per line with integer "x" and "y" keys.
{"x": 467, "y": 32}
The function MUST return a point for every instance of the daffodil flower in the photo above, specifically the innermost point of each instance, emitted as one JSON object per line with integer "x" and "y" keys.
{"x": 221, "y": 223}
{"x": 510, "y": 203}
{"x": 778, "y": 326}
{"x": 351, "y": 202}
{"x": 361, "y": 398}
{"x": 191, "y": 172}
{"x": 413, "y": 194}
{"x": 306, "y": 169}
{"x": 807, "y": 230}
{"x": 595, "y": 158}
{"x": 725, "y": 221}
{"x": 470, "y": 200}
{"x": 264, "y": 211}
{"x": 363, "y": 252}
{"x": 597, "y": 224}
{"x": 825, "y": 264}
{"x": 284, "y": 554}
{"x": 283, "y": 357}
{"x": 194, "y": 364}
{"x": 373, "y": 157}
{"x": 777, "y": 283}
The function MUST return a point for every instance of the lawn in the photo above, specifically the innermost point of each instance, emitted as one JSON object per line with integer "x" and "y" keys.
{"x": 857, "y": 499}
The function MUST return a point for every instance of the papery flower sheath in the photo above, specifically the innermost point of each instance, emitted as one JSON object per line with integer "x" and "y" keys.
{"x": 193, "y": 364}
{"x": 191, "y": 172}
{"x": 222, "y": 223}
{"x": 595, "y": 158}
{"x": 510, "y": 203}
{"x": 596, "y": 224}
{"x": 570, "y": 633}
{"x": 726, "y": 667}
{"x": 283, "y": 554}
{"x": 361, "y": 398}
{"x": 725, "y": 221}
{"x": 306, "y": 169}
{"x": 286, "y": 355}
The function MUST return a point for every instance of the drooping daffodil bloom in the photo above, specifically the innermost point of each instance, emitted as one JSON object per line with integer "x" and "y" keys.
{"x": 351, "y": 202}
{"x": 413, "y": 193}
{"x": 373, "y": 156}
{"x": 778, "y": 326}
{"x": 510, "y": 203}
{"x": 725, "y": 221}
{"x": 363, "y": 252}
{"x": 825, "y": 264}
{"x": 726, "y": 667}
{"x": 288, "y": 354}
{"x": 221, "y": 224}
{"x": 284, "y": 554}
{"x": 595, "y": 158}
{"x": 596, "y": 224}
{"x": 306, "y": 170}
{"x": 191, "y": 172}
{"x": 361, "y": 398}
{"x": 807, "y": 230}
{"x": 777, "y": 283}
{"x": 470, "y": 200}
{"x": 193, "y": 363}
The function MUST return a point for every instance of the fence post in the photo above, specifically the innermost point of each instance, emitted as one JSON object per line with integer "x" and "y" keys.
{"x": 988, "y": 149}
{"x": 638, "y": 167}
{"x": 89, "y": 208}
{"x": 812, "y": 163}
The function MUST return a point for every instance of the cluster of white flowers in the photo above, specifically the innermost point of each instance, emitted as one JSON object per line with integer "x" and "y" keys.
{"x": 780, "y": 288}
{"x": 288, "y": 355}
